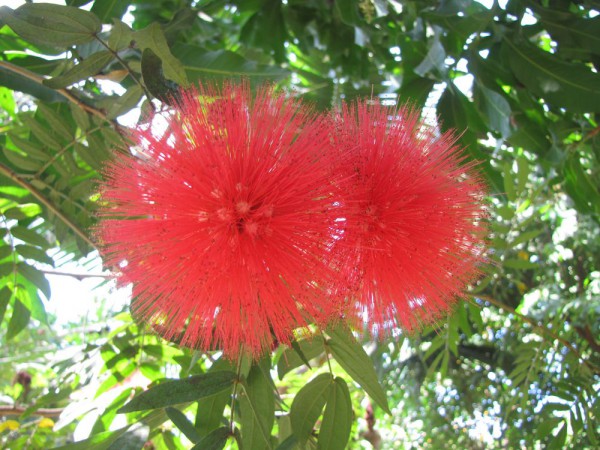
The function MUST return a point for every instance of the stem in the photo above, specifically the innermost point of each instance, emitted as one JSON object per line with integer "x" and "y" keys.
{"x": 47, "y": 203}
{"x": 238, "y": 372}
{"x": 78, "y": 276}
{"x": 9, "y": 410}
{"x": 129, "y": 71}
{"x": 63, "y": 150}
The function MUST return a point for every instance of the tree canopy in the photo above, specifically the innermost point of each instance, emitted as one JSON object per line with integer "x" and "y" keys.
{"x": 516, "y": 365}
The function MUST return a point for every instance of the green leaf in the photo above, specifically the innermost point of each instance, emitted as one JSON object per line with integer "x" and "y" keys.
{"x": 201, "y": 64}
{"x": 216, "y": 440}
{"x": 180, "y": 391}
{"x": 354, "y": 360}
{"x": 434, "y": 60}
{"x": 18, "y": 320}
{"x": 562, "y": 84}
{"x": 5, "y": 297}
{"x": 210, "y": 409}
{"x": 54, "y": 25}
{"x": 132, "y": 439}
{"x": 337, "y": 418}
{"x": 308, "y": 404}
{"x": 182, "y": 422}
{"x": 29, "y": 252}
{"x": 36, "y": 277}
{"x": 290, "y": 358}
{"x": 526, "y": 237}
{"x": 580, "y": 186}
{"x": 90, "y": 66}
{"x": 153, "y": 38}
{"x": 106, "y": 10}
{"x": 125, "y": 102}
{"x": 29, "y": 236}
{"x": 495, "y": 109}
{"x": 21, "y": 162}
{"x": 120, "y": 36}
{"x": 24, "y": 211}
{"x": 257, "y": 406}
{"x": 154, "y": 79}
{"x": 31, "y": 149}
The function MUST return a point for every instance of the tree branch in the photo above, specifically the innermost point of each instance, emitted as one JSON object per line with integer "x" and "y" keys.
{"x": 4, "y": 170}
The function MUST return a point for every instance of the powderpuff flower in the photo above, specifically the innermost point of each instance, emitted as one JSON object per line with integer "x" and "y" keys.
{"x": 224, "y": 222}
{"x": 414, "y": 217}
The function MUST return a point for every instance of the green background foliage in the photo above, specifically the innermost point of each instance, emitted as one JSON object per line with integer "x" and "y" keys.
{"x": 516, "y": 365}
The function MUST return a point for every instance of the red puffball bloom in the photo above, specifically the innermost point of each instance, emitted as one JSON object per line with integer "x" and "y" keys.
{"x": 414, "y": 230}
{"x": 224, "y": 223}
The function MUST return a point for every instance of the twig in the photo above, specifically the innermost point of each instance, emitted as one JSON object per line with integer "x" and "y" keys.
{"x": 66, "y": 94}
{"x": 540, "y": 328}
{"x": 9, "y": 410}
{"x": 4, "y": 170}
{"x": 79, "y": 276}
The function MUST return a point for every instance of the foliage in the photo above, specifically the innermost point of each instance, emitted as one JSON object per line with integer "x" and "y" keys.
{"x": 516, "y": 365}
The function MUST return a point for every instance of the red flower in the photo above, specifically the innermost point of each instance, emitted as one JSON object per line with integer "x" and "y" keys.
{"x": 225, "y": 221}
{"x": 413, "y": 232}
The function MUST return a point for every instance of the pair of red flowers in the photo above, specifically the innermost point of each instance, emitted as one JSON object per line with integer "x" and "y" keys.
{"x": 251, "y": 216}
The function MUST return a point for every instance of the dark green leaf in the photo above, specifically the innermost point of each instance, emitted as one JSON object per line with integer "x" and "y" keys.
{"x": 308, "y": 404}
{"x": 5, "y": 298}
{"x": 180, "y": 391}
{"x": 125, "y": 102}
{"x": 354, "y": 360}
{"x": 153, "y": 38}
{"x": 154, "y": 79}
{"x": 106, "y": 10}
{"x": 48, "y": 24}
{"x": 201, "y": 64}
{"x": 21, "y": 162}
{"x": 182, "y": 422}
{"x": 36, "y": 277}
{"x": 216, "y": 440}
{"x": 434, "y": 60}
{"x": 562, "y": 84}
{"x": 120, "y": 36}
{"x": 257, "y": 406}
{"x": 18, "y": 320}
{"x": 89, "y": 67}
{"x": 133, "y": 439}
{"x": 290, "y": 358}
{"x": 337, "y": 418}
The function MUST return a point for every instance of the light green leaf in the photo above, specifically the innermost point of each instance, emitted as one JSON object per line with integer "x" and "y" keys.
{"x": 354, "y": 360}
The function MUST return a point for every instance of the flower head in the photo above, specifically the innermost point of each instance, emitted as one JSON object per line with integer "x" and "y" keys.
{"x": 223, "y": 223}
{"x": 413, "y": 232}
